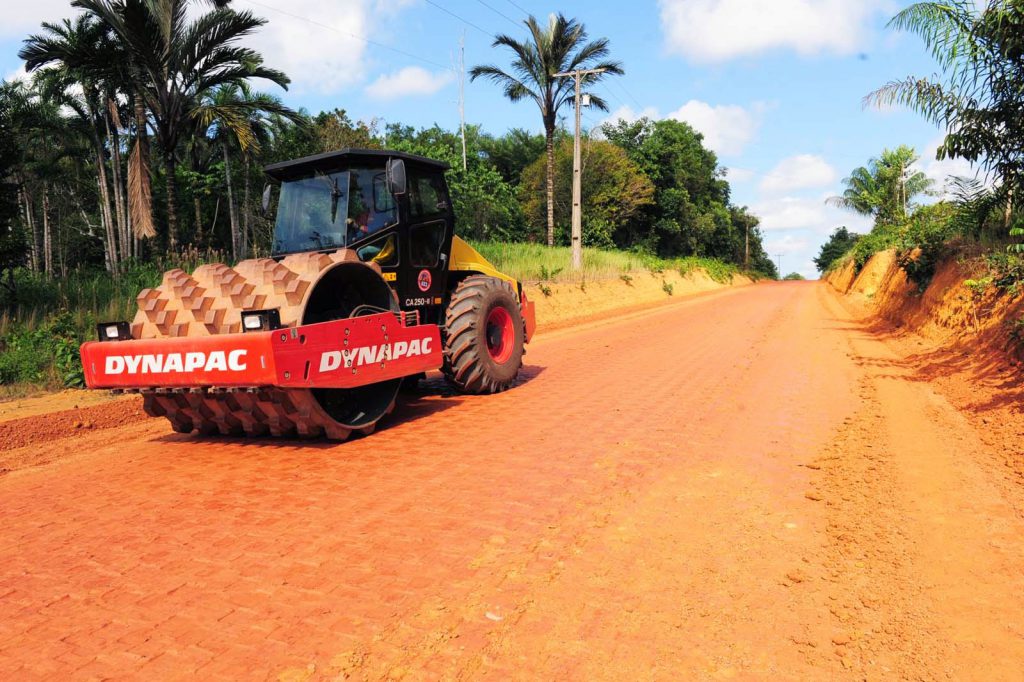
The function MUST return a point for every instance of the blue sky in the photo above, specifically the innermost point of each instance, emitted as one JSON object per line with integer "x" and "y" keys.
{"x": 775, "y": 85}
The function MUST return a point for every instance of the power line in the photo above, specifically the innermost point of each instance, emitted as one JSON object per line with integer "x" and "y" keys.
{"x": 500, "y": 14}
{"x": 466, "y": 22}
{"x": 347, "y": 33}
{"x": 611, "y": 92}
{"x": 630, "y": 95}
{"x": 518, "y": 8}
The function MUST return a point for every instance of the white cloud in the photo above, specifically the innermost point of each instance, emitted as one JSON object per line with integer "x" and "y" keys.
{"x": 802, "y": 213}
{"x": 409, "y": 81}
{"x": 786, "y": 244}
{"x": 629, "y": 115}
{"x": 718, "y": 30}
{"x": 727, "y": 128}
{"x": 322, "y": 57}
{"x": 798, "y": 172}
{"x": 19, "y": 74}
{"x": 23, "y": 18}
{"x": 941, "y": 172}
{"x": 739, "y": 174}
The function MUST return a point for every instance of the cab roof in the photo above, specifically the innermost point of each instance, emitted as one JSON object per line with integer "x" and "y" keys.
{"x": 342, "y": 158}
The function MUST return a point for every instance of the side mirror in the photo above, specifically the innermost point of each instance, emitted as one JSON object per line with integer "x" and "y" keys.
{"x": 396, "y": 176}
{"x": 265, "y": 203}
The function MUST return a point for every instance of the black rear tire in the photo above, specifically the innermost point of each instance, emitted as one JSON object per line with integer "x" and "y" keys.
{"x": 484, "y": 336}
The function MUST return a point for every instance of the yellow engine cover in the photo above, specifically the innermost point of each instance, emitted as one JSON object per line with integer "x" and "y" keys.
{"x": 464, "y": 258}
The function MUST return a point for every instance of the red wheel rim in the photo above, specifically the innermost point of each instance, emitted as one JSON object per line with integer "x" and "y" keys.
{"x": 500, "y": 335}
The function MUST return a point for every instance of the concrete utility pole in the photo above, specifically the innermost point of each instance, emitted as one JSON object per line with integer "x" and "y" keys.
{"x": 462, "y": 95}
{"x": 577, "y": 184}
{"x": 778, "y": 257}
{"x": 746, "y": 246}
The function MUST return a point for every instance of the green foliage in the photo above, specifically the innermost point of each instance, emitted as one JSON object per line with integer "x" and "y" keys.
{"x": 614, "y": 192}
{"x": 922, "y": 242}
{"x": 795, "y": 277}
{"x": 512, "y": 152}
{"x": 690, "y": 214}
{"x": 1017, "y": 231}
{"x": 628, "y": 279}
{"x": 1006, "y": 271}
{"x": 885, "y": 189}
{"x": 839, "y": 244}
{"x": 485, "y": 204}
{"x": 532, "y": 262}
{"x": 667, "y": 287}
{"x": 47, "y": 354}
{"x": 978, "y": 95}
{"x": 879, "y": 239}
{"x": 717, "y": 270}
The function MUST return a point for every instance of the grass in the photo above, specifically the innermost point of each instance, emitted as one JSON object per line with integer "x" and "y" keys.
{"x": 533, "y": 263}
{"x": 537, "y": 263}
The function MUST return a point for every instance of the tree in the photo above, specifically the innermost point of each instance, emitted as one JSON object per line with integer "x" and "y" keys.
{"x": 795, "y": 277}
{"x": 79, "y": 53}
{"x": 512, "y": 152}
{"x": 238, "y": 113}
{"x": 691, "y": 193}
{"x": 558, "y": 48}
{"x": 885, "y": 188}
{"x": 175, "y": 61}
{"x": 485, "y": 205}
{"x": 979, "y": 98}
{"x": 839, "y": 242}
{"x": 12, "y": 238}
{"x": 614, "y": 191}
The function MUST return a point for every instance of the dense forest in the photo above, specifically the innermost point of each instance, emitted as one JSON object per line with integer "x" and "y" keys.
{"x": 116, "y": 152}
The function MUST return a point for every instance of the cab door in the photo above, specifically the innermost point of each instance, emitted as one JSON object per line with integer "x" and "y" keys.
{"x": 429, "y": 242}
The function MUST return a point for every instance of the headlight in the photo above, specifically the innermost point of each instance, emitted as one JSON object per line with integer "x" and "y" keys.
{"x": 261, "y": 320}
{"x": 114, "y": 331}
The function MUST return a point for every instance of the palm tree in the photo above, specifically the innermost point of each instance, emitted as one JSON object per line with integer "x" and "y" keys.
{"x": 238, "y": 114}
{"x": 175, "y": 61}
{"x": 559, "y": 47}
{"x": 885, "y": 187}
{"x": 77, "y": 52}
{"x": 977, "y": 98}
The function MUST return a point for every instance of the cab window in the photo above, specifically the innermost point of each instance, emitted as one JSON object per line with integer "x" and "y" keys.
{"x": 425, "y": 243}
{"x": 371, "y": 206}
{"x": 383, "y": 251}
{"x": 427, "y": 196}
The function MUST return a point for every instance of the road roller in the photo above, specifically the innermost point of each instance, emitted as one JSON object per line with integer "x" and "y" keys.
{"x": 366, "y": 286}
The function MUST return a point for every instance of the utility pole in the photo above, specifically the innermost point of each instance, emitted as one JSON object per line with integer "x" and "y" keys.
{"x": 778, "y": 257}
{"x": 577, "y": 184}
{"x": 462, "y": 95}
{"x": 746, "y": 246}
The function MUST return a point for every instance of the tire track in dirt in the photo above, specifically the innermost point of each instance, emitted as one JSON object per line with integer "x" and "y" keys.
{"x": 744, "y": 486}
{"x": 924, "y": 549}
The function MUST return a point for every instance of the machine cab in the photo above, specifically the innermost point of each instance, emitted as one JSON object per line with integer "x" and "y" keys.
{"x": 391, "y": 208}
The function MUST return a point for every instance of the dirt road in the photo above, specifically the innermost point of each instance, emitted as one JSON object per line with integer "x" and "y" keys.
{"x": 749, "y": 484}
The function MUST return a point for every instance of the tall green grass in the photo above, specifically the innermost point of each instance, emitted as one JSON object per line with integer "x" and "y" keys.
{"x": 534, "y": 263}
{"x": 540, "y": 263}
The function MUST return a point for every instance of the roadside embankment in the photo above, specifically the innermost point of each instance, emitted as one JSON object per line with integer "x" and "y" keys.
{"x": 962, "y": 334}
{"x": 958, "y": 305}
{"x": 562, "y": 304}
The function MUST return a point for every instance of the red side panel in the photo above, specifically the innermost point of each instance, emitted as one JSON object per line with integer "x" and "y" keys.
{"x": 230, "y": 360}
{"x": 355, "y": 352}
{"x": 529, "y": 315}
{"x": 338, "y": 354}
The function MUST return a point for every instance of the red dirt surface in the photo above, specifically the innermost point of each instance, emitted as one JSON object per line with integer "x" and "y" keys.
{"x": 752, "y": 484}
{"x": 32, "y": 431}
